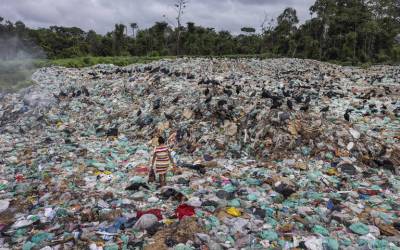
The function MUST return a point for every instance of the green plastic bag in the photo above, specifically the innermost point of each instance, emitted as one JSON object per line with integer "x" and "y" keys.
{"x": 182, "y": 247}
{"x": 320, "y": 230}
{"x": 252, "y": 181}
{"x": 41, "y": 236}
{"x": 234, "y": 203}
{"x": 214, "y": 222}
{"x": 111, "y": 246}
{"x": 28, "y": 245}
{"x": 345, "y": 241}
{"x": 271, "y": 221}
{"x": 379, "y": 244}
{"x": 252, "y": 197}
{"x": 359, "y": 228}
{"x": 3, "y": 187}
{"x": 269, "y": 235}
{"x": 332, "y": 244}
{"x": 229, "y": 188}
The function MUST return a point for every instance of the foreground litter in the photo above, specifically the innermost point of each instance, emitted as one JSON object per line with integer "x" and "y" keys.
{"x": 272, "y": 154}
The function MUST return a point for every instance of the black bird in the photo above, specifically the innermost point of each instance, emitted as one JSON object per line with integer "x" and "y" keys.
{"x": 276, "y": 104}
{"x": 62, "y": 94}
{"x": 222, "y": 102}
{"x": 298, "y": 98}
{"x": 275, "y": 98}
{"x": 228, "y": 92}
{"x": 214, "y": 82}
{"x": 208, "y": 99}
{"x": 387, "y": 90}
{"x": 347, "y": 116}
{"x": 305, "y": 108}
{"x": 139, "y": 113}
{"x": 157, "y": 103}
{"x": 154, "y": 70}
{"x": 175, "y": 100}
{"x": 289, "y": 104}
{"x": 265, "y": 94}
{"x": 206, "y": 92}
{"x": 137, "y": 186}
{"x": 164, "y": 71}
{"x": 325, "y": 109}
{"x": 168, "y": 116}
{"x": 285, "y": 190}
{"x": 285, "y": 93}
{"x": 330, "y": 94}
{"x": 112, "y": 132}
{"x": 85, "y": 91}
{"x": 238, "y": 89}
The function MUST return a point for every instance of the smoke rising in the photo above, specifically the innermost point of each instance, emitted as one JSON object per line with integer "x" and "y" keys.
{"x": 15, "y": 48}
{"x": 17, "y": 57}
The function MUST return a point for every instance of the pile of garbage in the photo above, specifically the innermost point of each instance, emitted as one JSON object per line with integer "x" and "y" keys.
{"x": 271, "y": 154}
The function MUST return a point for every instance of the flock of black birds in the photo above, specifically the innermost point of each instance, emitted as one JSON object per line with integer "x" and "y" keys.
{"x": 288, "y": 96}
{"x": 296, "y": 97}
{"x": 291, "y": 99}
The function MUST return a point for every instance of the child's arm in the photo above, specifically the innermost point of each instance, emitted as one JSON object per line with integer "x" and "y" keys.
{"x": 174, "y": 168}
{"x": 170, "y": 158}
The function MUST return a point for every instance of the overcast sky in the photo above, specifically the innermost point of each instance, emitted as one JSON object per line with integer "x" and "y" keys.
{"x": 101, "y": 15}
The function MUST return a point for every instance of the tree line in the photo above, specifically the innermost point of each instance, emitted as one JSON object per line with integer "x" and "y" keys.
{"x": 355, "y": 31}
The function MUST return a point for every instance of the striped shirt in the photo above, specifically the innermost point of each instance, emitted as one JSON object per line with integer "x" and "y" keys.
{"x": 162, "y": 159}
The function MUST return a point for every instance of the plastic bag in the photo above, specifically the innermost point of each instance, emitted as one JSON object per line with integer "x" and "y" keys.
{"x": 184, "y": 210}
{"x": 152, "y": 175}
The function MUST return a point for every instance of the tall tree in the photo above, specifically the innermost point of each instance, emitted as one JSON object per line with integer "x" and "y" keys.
{"x": 284, "y": 32}
{"x": 134, "y": 26}
{"x": 118, "y": 39}
{"x": 180, "y": 6}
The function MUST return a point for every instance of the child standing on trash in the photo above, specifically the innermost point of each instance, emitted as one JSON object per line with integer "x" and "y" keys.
{"x": 162, "y": 160}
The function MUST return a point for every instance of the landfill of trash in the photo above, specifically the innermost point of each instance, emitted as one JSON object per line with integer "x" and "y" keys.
{"x": 270, "y": 154}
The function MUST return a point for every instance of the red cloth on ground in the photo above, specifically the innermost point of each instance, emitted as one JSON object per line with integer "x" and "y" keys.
{"x": 184, "y": 210}
{"x": 156, "y": 212}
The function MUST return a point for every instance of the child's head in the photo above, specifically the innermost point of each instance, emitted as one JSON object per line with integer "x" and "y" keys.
{"x": 161, "y": 140}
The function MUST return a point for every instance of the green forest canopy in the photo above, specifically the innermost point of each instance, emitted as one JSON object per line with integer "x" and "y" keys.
{"x": 355, "y": 31}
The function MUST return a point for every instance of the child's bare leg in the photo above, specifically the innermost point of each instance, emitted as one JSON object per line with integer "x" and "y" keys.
{"x": 162, "y": 179}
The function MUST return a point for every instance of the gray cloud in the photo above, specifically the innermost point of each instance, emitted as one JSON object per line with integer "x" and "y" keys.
{"x": 101, "y": 15}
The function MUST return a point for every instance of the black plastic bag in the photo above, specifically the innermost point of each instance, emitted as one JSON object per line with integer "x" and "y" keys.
{"x": 152, "y": 175}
